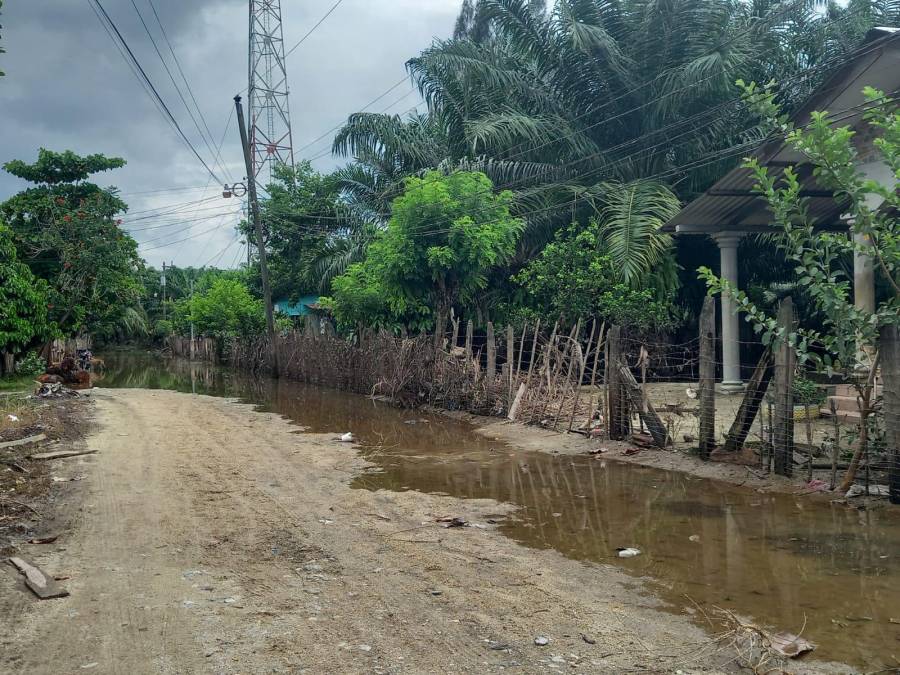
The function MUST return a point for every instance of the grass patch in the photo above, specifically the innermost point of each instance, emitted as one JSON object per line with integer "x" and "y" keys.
{"x": 17, "y": 383}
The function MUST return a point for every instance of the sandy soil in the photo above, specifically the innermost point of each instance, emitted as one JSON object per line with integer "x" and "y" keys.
{"x": 216, "y": 539}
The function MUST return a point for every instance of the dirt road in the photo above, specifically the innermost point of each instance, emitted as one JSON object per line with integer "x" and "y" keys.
{"x": 216, "y": 539}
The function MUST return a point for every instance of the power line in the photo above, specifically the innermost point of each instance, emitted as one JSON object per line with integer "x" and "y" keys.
{"x": 155, "y": 92}
{"x": 190, "y": 89}
{"x": 313, "y": 29}
{"x": 172, "y": 79}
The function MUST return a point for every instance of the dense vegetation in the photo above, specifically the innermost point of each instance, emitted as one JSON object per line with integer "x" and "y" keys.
{"x": 556, "y": 140}
{"x": 593, "y": 119}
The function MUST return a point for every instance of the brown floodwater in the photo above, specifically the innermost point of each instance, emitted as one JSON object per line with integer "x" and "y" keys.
{"x": 780, "y": 560}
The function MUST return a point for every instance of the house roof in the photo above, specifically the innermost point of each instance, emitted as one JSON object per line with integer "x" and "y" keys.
{"x": 731, "y": 205}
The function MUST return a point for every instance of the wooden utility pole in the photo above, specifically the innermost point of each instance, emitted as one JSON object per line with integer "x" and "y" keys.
{"x": 708, "y": 378}
{"x": 257, "y": 226}
{"x": 785, "y": 362}
{"x": 889, "y": 347}
{"x": 193, "y": 351}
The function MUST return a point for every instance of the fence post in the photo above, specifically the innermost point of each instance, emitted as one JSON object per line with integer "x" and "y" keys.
{"x": 708, "y": 377}
{"x": 510, "y": 358}
{"x": 469, "y": 330}
{"x": 617, "y": 403}
{"x": 491, "y": 373}
{"x": 785, "y": 363}
{"x": 889, "y": 349}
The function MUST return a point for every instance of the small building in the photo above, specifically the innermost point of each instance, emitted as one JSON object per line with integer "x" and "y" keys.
{"x": 731, "y": 210}
{"x": 302, "y": 307}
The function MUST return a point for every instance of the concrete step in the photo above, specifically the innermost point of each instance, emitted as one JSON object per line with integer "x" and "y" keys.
{"x": 848, "y": 403}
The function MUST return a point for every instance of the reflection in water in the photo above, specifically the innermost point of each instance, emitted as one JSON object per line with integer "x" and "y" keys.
{"x": 781, "y": 560}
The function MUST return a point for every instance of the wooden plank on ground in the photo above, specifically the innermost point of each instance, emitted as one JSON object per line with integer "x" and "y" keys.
{"x": 23, "y": 441}
{"x": 61, "y": 454}
{"x": 42, "y": 585}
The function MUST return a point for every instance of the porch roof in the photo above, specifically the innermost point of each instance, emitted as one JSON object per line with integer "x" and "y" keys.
{"x": 731, "y": 204}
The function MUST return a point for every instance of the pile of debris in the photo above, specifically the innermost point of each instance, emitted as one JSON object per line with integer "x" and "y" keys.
{"x": 55, "y": 390}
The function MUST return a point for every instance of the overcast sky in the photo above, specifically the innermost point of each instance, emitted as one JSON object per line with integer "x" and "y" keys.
{"x": 67, "y": 87}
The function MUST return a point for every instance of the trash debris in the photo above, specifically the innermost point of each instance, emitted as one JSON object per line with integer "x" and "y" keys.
{"x": 817, "y": 485}
{"x": 694, "y": 538}
{"x": 451, "y": 521}
{"x": 628, "y": 552}
{"x": 598, "y": 451}
{"x": 541, "y": 641}
{"x": 23, "y": 441}
{"x": 44, "y": 540}
{"x": 40, "y": 584}
{"x": 874, "y": 491}
{"x": 631, "y": 451}
{"x": 61, "y": 454}
{"x": 691, "y": 393}
{"x": 347, "y": 438}
{"x": 790, "y": 645}
{"x": 55, "y": 390}
{"x": 12, "y": 418}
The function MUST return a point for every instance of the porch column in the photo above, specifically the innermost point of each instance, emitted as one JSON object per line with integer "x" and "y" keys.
{"x": 731, "y": 322}
{"x": 863, "y": 277}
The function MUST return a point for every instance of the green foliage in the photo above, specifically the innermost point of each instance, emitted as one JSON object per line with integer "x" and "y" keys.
{"x": 225, "y": 310}
{"x": 23, "y": 301}
{"x": 310, "y": 237}
{"x": 66, "y": 231}
{"x": 54, "y": 168}
{"x": 575, "y": 277}
{"x": 446, "y": 235}
{"x": 807, "y": 392}
{"x": 32, "y": 365}
{"x": 816, "y": 255}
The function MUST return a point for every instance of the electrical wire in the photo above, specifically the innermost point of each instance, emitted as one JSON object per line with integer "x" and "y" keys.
{"x": 313, "y": 29}
{"x": 168, "y": 113}
{"x": 190, "y": 90}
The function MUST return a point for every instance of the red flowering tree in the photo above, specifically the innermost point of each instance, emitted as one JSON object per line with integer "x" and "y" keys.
{"x": 65, "y": 229}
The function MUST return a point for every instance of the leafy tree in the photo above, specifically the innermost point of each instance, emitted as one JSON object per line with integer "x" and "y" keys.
{"x": 816, "y": 255}
{"x": 23, "y": 301}
{"x": 446, "y": 235}
{"x": 311, "y": 237}
{"x": 575, "y": 277}
{"x": 65, "y": 229}
{"x": 226, "y": 309}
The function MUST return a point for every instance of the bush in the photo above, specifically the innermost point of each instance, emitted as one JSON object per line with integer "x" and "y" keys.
{"x": 31, "y": 365}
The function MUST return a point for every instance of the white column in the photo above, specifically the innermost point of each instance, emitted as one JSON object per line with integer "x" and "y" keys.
{"x": 731, "y": 322}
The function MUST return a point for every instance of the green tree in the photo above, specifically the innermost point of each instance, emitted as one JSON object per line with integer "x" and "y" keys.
{"x": 310, "y": 234}
{"x": 23, "y": 301}
{"x": 817, "y": 256}
{"x": 574, "y": 277}
{"x": 226, "y": 309}
{"x": 66, "y": 230}
{"x": 446, "y": 235}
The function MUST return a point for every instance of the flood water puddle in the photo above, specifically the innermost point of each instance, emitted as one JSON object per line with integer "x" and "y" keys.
{"x": 782, "y": 561}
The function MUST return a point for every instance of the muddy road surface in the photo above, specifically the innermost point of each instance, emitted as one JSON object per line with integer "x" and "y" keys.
{"x": 216, "y": 539}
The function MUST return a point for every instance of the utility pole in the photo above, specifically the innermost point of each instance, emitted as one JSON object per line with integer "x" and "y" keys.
{"x": 162, "y": 283}
{"x": 257, "y": 226}
{"x": 193, "y": 353}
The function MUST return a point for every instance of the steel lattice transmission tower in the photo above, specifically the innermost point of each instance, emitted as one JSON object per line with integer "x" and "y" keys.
{"x": 269, "y": 121}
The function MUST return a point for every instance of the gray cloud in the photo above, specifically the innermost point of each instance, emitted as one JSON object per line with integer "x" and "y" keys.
{"x": 67, "y": 87}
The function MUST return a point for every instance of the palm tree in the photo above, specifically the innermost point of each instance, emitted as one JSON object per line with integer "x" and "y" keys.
{"x": 568, "y": 106}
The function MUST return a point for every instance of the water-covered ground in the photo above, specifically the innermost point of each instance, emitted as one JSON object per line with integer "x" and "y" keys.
{"x": 780, "y": 560}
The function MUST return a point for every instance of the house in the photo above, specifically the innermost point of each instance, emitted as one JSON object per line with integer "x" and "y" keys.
{"x": 303, "y": 306}
{"x": 730, "y": 210}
